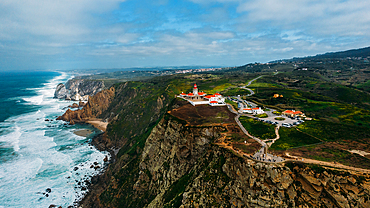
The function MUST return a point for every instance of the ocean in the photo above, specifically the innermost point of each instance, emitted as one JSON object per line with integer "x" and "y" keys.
{"x": 42, "y": 162}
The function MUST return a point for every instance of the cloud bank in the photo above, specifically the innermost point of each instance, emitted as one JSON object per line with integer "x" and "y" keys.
{"x": 66, "y": 34}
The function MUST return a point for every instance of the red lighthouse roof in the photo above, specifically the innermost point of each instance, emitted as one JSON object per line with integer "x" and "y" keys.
{"x": 195, "y": 86}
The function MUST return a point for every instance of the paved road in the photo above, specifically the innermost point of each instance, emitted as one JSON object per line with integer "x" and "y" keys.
{"x": 249, "y": 83}
{"x": 260, "y": 155}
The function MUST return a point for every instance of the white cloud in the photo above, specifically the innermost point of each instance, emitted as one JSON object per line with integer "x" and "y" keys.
{"x": 321, "y": 17}
{"x": 66, "y": 19}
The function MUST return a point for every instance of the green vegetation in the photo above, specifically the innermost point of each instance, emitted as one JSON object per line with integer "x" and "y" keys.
{"x": 263, "y": 115}
{"x": 329, "y": 131}
{"x": 236, "y": 91}
{"x": 279, "y": 118}
{"x": 291, "y": 137}
{"x": 257, "y": 128}
{"x": 176, "y": 189}
{"x": 277, "y": 113}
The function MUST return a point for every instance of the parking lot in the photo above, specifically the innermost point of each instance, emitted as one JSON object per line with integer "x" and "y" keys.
{"x": 272, "y": 117}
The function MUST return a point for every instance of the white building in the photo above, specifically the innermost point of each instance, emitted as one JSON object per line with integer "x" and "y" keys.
{"x": 201, "y": 98}
{"x": 257, "y": 110}
{"x": 247, "y": 110}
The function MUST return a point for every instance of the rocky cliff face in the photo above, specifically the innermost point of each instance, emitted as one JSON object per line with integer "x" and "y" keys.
{"x": 94, "y": 107}
{"x": 78, "y": 89}
{"x": 179, "y": 166}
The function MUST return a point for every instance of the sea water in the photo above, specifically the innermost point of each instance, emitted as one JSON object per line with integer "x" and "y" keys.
{"x": 42, "y": 162}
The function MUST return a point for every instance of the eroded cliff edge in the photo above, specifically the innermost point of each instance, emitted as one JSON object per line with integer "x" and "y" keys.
{"x": 180, "y": 166}
{"x": 164, "y": 161}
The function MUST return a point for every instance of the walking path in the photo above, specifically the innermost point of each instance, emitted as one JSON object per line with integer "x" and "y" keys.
{"x": 331, "y": 164}
{"x": 269, "y": 142}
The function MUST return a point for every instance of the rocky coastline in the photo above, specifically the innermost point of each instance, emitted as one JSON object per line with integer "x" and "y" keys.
{"x": 87, "y": 113}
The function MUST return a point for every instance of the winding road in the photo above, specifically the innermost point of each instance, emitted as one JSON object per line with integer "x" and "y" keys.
{"x": 249, "y": 83}
{"x": 260, "y": 155}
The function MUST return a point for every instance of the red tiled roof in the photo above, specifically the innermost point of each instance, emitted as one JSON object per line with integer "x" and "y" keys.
{"x": 190, "y": 94}
{"x": 217, "y": 94}
{"x": 255, "y": 108}
{"x": 195, "y": 86}
{"x": 201, "y": 93}
{"x": 213, "y": 101}
{"x": 292, "y": 112}
{"x": 182, "y": 94}
{"x": 247, "y": 109}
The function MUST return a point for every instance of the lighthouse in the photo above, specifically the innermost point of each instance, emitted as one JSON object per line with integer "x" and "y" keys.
{"x": 195, "y": 90}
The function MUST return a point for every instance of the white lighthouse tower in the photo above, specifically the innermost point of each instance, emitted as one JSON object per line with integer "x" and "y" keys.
{"x": 195, "y": 90}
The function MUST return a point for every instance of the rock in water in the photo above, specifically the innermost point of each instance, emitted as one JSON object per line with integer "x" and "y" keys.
{"x": 61, "y": 92}
{"x": 74, "y": 105}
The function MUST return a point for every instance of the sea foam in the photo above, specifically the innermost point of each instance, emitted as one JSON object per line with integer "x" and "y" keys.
{"x": 46, "y": 154}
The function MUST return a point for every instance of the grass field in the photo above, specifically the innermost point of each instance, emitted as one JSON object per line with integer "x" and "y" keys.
{"x": 258, "y": 128}
{"x": 291, "y": 137}
{"x": 329, "y": 131}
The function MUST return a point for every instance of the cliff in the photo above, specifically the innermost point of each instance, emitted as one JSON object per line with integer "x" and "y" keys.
{"x": 180, "y": 166}
{"x": 96, "y": 105}
{"x": 78, "y": 89}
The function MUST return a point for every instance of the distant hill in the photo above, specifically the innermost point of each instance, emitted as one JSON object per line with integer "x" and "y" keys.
{"x": 362, "y": 52}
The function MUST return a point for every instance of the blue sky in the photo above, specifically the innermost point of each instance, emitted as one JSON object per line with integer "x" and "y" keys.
{"x": 80, "y": 34}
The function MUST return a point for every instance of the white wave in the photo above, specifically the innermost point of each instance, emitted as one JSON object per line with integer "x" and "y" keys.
{"x": 35, "y": 100}
{"x": 12, "y": 138}
{"x": 46, "y": 156}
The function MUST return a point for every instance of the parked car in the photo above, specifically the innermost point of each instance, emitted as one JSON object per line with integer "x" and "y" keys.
{"x": 286, "y": 125}
{"x": 295, "y": 123}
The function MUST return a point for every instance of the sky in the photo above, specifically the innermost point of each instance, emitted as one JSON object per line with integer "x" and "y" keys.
{"x": 83, "y": 34}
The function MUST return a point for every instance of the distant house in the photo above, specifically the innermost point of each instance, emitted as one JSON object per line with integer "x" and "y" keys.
{"x": 257, "y": 110}
{"x": 277, "y": 95}
{"x": 293, "y": 113}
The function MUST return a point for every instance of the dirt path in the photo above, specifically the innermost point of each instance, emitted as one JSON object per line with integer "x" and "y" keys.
{"x": 330, "y": 164}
